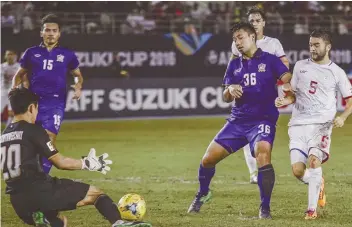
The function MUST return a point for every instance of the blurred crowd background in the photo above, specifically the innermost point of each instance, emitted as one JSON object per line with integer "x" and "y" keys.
{"x": 162, "y": 17}
{"x": 175, "y": 53}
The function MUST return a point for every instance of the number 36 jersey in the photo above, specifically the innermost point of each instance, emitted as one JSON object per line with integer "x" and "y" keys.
{"x": 22, "y": 146}
{"x": 258, "y": 77}
{"x": 316, "y": 87}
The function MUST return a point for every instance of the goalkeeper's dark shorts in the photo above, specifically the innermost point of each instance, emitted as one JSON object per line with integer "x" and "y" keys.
{"x": 49, "y": 198}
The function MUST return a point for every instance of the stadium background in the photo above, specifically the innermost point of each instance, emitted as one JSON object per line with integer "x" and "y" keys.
{"x": 167, "y": 59}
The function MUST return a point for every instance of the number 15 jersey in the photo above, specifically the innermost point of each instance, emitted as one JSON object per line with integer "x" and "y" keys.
{"x": 315, "y": 87}
{"x": 47, "y": 71}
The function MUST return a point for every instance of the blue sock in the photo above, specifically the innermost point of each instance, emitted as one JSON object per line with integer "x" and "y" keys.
{"x": 204, "y": 176}
{"x": 46, "y": 165}
{"x": 266, "y": 181}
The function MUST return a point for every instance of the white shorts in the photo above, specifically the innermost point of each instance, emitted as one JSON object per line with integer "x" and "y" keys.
{"x": 303, "y": 138}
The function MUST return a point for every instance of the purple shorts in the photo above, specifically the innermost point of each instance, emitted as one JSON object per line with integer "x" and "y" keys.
{"x": 51, "y": 119}
{"x": 234, "y": 136}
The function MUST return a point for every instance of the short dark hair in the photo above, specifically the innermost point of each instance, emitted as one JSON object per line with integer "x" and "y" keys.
{"x": 21, "y": 98}
{"x": 324, "y": 34}
{"x": 256, "y": 9}
{"x": 51, "y": 18}
{"x": 246, "y": 27}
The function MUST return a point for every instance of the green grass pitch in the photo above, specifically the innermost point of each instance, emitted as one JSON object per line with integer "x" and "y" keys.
{"x": 159, "y": 159}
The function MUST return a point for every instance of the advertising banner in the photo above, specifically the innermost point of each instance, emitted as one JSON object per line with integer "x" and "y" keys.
{"x": 114, "y": 98}
{"x": 170, "y": 55}
{"x": 111, "y": 98}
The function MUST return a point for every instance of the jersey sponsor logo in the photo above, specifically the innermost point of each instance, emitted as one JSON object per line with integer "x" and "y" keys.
{"x": 50, "y": 146}
{"x": 37, "y": 55}
{"x": 303, "y": 71}
{"x": 261, "y": 67}
{"x": 60, "y": 58}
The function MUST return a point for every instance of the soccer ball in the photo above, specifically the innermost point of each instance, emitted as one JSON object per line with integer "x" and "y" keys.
{"x": 132, "y": 207}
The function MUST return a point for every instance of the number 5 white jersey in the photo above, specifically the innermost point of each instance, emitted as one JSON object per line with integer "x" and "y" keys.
{"x": 315, "y": 87}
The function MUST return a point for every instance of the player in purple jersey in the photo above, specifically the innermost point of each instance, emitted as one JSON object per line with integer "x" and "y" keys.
{"x": 252, "y": 80}
{"x": 44, "y": 69}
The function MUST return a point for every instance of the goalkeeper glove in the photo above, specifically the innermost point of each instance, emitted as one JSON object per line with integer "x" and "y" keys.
{"x": 94, "y": 163}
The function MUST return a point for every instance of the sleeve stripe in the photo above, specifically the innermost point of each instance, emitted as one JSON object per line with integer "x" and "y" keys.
{"x": 347, "y": 97}
{"x": 282, "y": 56}
{"x": 53, "y": 155}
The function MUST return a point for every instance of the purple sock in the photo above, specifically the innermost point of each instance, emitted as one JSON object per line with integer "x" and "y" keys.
{"x": 266, "y": 181}
{"x": 204, "y": 176}
{"x": 46, "y": 165}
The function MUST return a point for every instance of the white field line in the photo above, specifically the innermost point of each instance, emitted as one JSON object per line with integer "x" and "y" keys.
{"x": 143, "y": 118}
{"x": 200, "y": 116}
{"x": 180, "y": 180}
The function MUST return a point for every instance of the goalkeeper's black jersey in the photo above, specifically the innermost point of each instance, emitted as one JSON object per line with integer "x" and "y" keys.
{"x": 22, "y": 147}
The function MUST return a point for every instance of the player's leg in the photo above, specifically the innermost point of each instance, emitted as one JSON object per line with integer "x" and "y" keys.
{"x": 49, "y": 219}
{"x": 314, "y": 182}
{"x": 28, "y": 203}
{"x": 319, "y": 147}
{"x": 51, "y": 121}
{"x": 299, "y": 151}
{"x": 68, "y": 195}
{"x": 214, "y": 154}
{"x": 261, "y": 141}
{"x": 227, "y": 141}
{"x": 56, "y": 220}
{"x": 107, "y": 208}
{"x": 251, "y": 164}
{"x": 298, "y": 163}
{"x": 22, "y": 206}
{"x": 102, "y": 202}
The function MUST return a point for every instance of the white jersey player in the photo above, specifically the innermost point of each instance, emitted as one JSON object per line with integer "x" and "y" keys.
{"x": 314, "y": 85}
{"x": 268, "y": 44}
{"x": 8, "y": 70}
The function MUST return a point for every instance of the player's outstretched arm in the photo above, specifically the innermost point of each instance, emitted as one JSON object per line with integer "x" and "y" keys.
{"x": 19, "y": 77}
{"x": 339, "y": 121}
{"x": 90, "y": 162}
{"x": 66, "y": 163}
